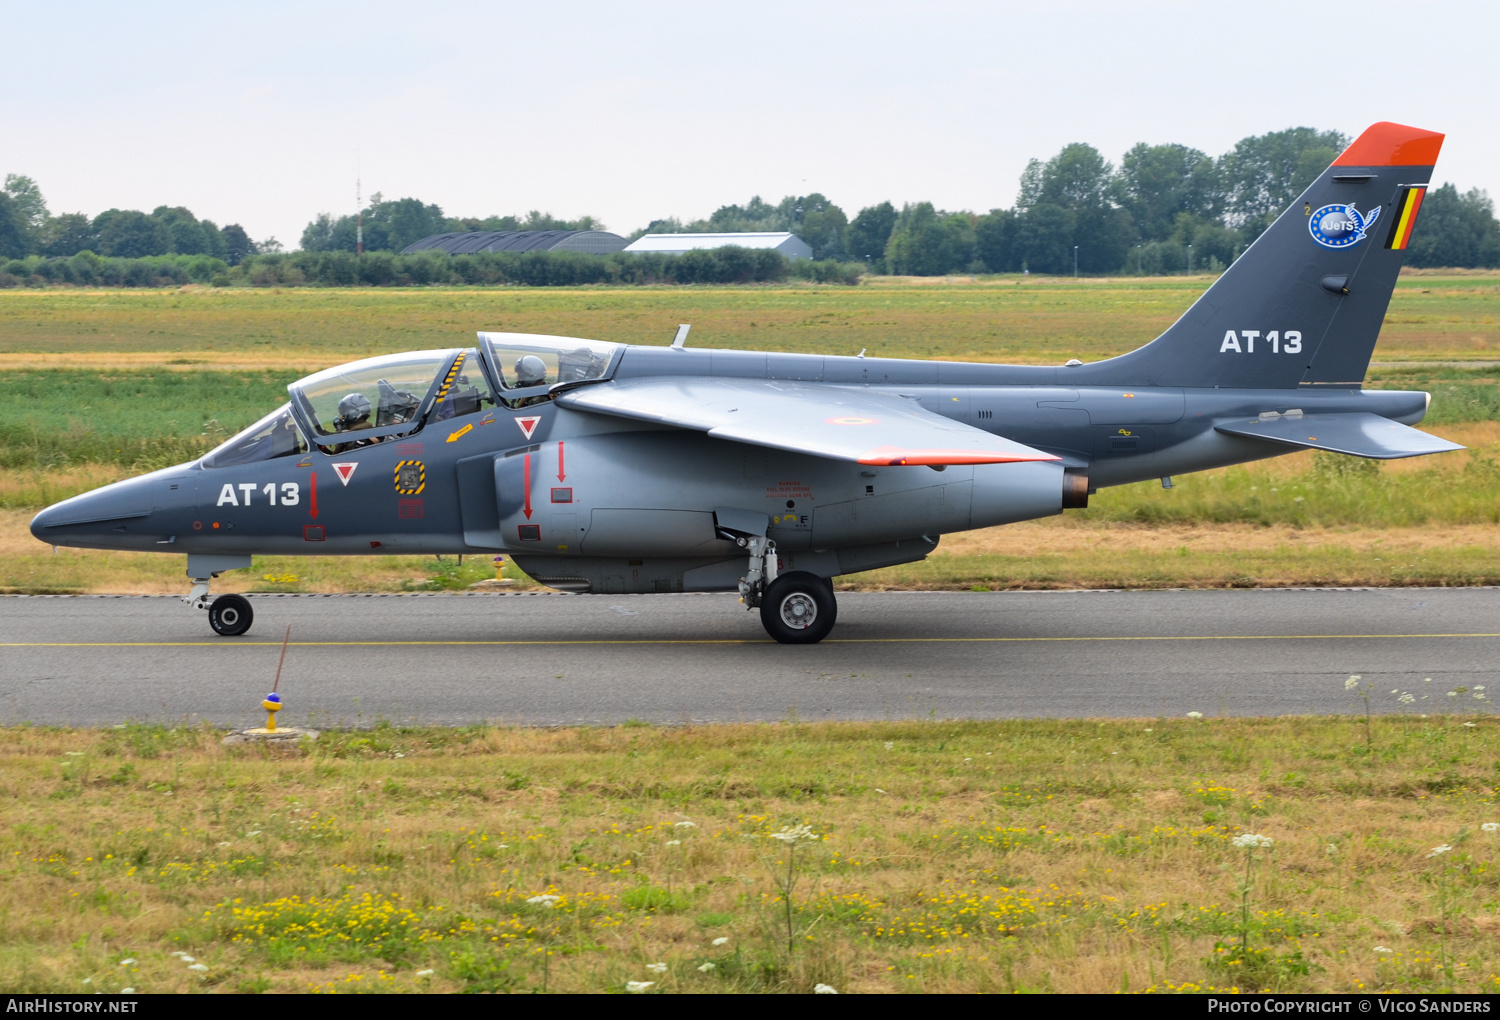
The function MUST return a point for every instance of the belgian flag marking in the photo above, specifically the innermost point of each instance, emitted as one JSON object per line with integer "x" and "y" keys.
{"x": 1406, "y": 217}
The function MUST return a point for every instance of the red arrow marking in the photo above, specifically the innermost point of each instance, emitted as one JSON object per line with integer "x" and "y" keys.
{"x": 560, "y": 476}
{"x": 528, "y": 486}
{"x": 312, "y": 492}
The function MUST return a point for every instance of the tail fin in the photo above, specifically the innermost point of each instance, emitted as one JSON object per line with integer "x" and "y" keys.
{"x": 1304, "y": 304}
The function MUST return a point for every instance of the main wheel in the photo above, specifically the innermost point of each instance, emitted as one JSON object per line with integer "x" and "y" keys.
{"x": 230, "y": 615}
{"x": 799, "y": 608}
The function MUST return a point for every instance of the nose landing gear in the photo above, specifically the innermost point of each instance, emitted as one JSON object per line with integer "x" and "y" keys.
{"x": 228, "y": 615}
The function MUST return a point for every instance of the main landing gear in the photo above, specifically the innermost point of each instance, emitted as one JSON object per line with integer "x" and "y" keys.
{"x": 796, "y": 608}
{"x": 228, "y": 615}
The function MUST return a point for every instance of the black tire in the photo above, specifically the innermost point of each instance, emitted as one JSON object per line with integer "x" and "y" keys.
{"x": 230, "y": 615}
{"x": 799, "y": 608}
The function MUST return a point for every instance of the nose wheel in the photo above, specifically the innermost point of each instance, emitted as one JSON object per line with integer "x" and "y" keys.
{"x": 798, "y": 608}
{"x": 230, "y": 615}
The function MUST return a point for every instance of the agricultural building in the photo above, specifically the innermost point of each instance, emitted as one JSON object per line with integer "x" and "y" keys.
{"x": 790, "y": 245}
{"x": 597, "y": 242}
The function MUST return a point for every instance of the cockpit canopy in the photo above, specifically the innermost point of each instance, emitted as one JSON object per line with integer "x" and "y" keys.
{"x": 386, "y": 394}
{"x": 366, "y": 402}
{"x": 525, "y": 361}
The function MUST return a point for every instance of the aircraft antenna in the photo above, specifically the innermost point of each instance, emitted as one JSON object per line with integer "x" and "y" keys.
{"x": 681, "y": 337}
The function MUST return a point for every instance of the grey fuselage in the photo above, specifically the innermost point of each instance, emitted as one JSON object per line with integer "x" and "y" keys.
{"x": 607, "y": 504}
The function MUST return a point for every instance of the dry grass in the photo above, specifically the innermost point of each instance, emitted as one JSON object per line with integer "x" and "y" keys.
{"x": 957, "y": 856}
{"x": 1036, "y": 320}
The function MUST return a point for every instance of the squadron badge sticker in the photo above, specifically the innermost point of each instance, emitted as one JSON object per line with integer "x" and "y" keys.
{"x": 1341, "y": 226}
{"x": 411, "y": 477}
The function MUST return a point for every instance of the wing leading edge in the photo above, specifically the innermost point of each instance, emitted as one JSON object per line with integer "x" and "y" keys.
{"x": 1361, "y": 434}
{"x": 813, "y": 418}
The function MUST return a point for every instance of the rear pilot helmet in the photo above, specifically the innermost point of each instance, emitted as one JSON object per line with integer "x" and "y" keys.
{"x": 530, "y": 371}
{"x": 353, "y": 409}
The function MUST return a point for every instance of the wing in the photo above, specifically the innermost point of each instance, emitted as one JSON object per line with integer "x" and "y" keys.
{"x": 1359, "y": 433}
{"x": 814, "y": 418}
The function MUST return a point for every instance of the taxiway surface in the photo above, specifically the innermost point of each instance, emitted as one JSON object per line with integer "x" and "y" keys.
{"x": 524, "y": 658}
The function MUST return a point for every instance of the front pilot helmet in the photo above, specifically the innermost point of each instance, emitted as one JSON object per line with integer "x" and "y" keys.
{"x": 354, "y": 408}
{"x": 530, "y": 371}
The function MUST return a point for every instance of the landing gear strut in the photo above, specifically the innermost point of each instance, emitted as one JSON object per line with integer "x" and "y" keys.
{"x": 228, "y": 615}
{"x": 796, "y": 608}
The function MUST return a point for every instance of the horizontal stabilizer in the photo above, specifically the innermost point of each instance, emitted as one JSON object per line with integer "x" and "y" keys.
{"x": 1361, "y": 434}
{"x": 814, "y": 418}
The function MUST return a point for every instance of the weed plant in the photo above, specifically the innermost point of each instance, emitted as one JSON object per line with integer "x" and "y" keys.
{"x": 930, "y": 856}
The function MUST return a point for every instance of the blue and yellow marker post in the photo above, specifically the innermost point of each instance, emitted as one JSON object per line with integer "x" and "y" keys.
{"x": 272, "y": 703}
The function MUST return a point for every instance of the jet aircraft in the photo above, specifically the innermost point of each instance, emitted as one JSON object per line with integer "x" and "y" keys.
{"x": 609, "y": 468}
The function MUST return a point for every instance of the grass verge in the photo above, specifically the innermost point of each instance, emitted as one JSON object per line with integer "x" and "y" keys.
{"x": 938, "y": 856}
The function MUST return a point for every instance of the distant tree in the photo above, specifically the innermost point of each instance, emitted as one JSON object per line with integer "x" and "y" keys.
{"x": 29, "y": 204}
{"x": 821, "y": 224}
{"x": 926, "y": 242}
{"x": 1455, "y": 229}
{"x": 1264, "y": 174}
{"x": 409, "y": 220}
{"x": 1044, "y": 238}
{"x": 237, "y": 244}
{"x": 15, "y": 238}
{"x": 185, "y": 235}
{"x": 318, "y": 234}
{"x": 1157, "y": 183}
{"x": 1068, "y": 201}
{"x": 1078, "y": 177}
{"x": 68, "y": 234}
{"x": 994, "y": 240}
{"x": 870, "y": 232}
{"x": 753, "y": 215}
{"x": 129, "y": 233}
{"x": 268, "y": 246}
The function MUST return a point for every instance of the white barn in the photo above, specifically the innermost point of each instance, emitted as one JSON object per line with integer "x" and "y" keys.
{"x": 790, "y": 245}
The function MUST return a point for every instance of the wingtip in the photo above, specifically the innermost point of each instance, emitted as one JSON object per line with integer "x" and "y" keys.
{"x": 1388, "y": 144}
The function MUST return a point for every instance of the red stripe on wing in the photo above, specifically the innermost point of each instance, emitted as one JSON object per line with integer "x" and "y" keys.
{"x": 890, "y": 456}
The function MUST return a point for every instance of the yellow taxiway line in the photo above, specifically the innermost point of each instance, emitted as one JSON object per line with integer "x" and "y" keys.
{"x": 730, "y": 641}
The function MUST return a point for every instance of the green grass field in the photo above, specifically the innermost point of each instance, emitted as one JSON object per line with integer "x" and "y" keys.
{"x": 1067, "y": 856}
{"x": 1001, "y": 319}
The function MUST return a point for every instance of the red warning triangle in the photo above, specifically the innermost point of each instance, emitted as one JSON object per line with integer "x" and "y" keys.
{"x": 528, "y": 424}
{"x": 345, "y": 471}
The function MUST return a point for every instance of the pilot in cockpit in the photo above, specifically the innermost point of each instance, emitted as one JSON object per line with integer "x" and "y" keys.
{"x": 531, "y": 371}
{"x": 354, "y": 415}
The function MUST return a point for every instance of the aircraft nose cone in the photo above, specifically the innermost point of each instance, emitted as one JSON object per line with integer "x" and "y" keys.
{"x": 41, "y": 522}
{"x": 92, "y": 512}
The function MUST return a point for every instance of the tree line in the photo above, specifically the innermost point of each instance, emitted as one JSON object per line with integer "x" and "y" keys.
{"x": 27, "y": 227}
{"x": 426, "y": 268}
{"x": 1162, "y": 209}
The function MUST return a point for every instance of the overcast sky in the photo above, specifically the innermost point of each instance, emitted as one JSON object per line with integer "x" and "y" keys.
{"x": 258, "y": 113}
